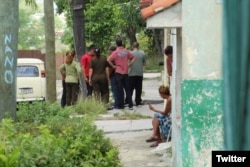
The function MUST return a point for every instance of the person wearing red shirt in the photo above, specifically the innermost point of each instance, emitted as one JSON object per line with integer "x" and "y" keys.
{"x": 85, "y": 63}
{"x": 120, "y": 60}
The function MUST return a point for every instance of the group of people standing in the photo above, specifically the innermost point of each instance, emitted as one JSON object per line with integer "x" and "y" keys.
{"x": 128, "y": 74}
{"x": 122, "y": 69}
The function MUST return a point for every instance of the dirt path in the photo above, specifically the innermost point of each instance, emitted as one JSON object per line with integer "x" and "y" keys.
{"x": 134, "y": 151}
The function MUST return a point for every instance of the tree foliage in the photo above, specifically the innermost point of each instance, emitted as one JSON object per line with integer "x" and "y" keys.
{"x": 107, "y": 19}
{"x": 31, "y": 28}
{"x": 101, "y": 23}
{"x": 31, "y": 3}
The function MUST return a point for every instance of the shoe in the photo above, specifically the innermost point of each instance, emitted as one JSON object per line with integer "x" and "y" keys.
{"x": 138, "y": 106}
{"x": 130, "y": 108}
{"x": 152, "y": 139}
{"x": 110, "y": 108}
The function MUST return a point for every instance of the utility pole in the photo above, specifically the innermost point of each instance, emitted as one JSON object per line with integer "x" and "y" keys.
{"x": 77, "y": 7}
{"x": 8, "y": 56}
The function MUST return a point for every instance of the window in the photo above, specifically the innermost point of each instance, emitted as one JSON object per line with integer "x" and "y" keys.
{"x": 27, "y": 71}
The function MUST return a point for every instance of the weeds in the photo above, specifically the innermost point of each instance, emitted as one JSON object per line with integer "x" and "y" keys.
{"x": 46, "y": 135}
{"x": 130, "y": 115}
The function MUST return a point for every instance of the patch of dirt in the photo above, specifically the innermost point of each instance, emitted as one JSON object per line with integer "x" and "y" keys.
{"x": 134, "y": 151}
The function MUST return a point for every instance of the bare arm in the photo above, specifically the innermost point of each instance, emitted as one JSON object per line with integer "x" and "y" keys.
{"x": 111, "y": 64}
{"x": 90, "y": 76}
{"x": 107, "y": 73}
{"x": 163, "y": 112}
{"x": 169, "y": 67}
{"x": 83, "y": 73}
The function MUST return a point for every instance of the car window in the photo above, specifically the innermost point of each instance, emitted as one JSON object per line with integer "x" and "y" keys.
{"x": 27, "y": 71}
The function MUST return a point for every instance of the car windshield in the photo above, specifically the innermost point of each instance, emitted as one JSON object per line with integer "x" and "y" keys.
{"x": 27, "y": 71}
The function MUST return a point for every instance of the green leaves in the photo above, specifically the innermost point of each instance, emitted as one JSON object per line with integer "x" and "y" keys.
{"x": 107, "y": 19}
{"x": 46, "y": 135}
{"x": 31, "y": 3}
{"x": 8, "y": 159}
{"x": 8, "y": 153}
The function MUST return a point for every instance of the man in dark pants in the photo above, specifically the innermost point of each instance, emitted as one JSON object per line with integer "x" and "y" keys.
{"x": 136, "y": 73}
{"x": 120, "y": 60}
{"x": 113, "y": 79}
{"x": 85, "y": 62}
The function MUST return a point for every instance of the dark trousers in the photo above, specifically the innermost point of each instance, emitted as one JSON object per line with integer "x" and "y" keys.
{"x": 101, "y": 89}
{"x": 63, "y": 99}
{"x": 123, "y": 84}
{"x": 72, "y": 91}
{"x": 89, "y": 88}
{"x": 114, "y": 90}
{"x": 135, "y": 83}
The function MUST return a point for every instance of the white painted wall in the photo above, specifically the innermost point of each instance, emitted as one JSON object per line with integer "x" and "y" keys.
{"x": 170, "y": 17}
{"x": 201, "y": 37}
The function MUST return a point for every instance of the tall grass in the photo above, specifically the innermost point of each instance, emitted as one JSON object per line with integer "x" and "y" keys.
{"x": 152, "y": 64}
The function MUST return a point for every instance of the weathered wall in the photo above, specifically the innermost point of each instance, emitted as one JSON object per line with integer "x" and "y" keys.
{"x": 201, "y": 103}
{"x": 201, "y": 39}
{"x": 201, "y": 121}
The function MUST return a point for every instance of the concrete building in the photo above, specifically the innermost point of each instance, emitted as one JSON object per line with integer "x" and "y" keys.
{"x": 196, "y": 84}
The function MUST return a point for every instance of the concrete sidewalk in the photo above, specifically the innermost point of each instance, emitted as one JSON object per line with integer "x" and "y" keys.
{"x": 129, "y": 135}
{"x": 117, "y": 126}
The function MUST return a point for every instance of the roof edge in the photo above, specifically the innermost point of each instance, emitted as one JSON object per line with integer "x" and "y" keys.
{"x": 157, "y": 6}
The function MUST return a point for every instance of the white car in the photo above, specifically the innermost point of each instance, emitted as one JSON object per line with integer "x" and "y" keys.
{"x": 31, "y": 80}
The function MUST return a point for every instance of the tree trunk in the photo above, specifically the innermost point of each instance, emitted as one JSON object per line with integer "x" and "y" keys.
{"x": 158, "y": 42}
{"x": 50, "y": 50}
{"x": 79, "y": 36}
{"x": 131, "y": 32}
{"x": 8, "y": 56}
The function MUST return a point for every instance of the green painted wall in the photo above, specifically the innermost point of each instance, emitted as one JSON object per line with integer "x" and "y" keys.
{"x": 202, "y": 122}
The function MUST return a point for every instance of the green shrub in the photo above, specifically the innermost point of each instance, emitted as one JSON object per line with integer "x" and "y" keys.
{"x": 152, "y": 63}
{"x": 37, "y": 112}
{"x": 47, "y": 135}
{"x": 90, "y": 106}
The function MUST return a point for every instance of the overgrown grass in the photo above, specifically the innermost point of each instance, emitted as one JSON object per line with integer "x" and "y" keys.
{"x": 47, "y": 135}
{"x": 152, "y": 64}
{"x": 124, "y": 115}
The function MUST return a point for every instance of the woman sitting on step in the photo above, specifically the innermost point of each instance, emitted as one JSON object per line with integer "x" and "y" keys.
{"x": 162, "y": 119}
